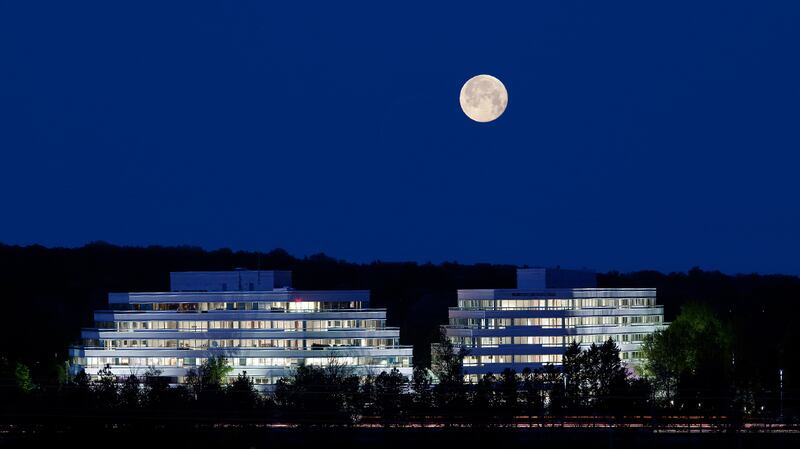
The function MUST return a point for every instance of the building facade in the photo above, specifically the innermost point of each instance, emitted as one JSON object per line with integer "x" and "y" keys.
{"x": 252, "y": 318}
{"x": 532, "y": 325}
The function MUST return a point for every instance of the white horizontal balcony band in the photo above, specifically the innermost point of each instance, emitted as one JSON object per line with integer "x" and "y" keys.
{"x": 227, "y": 334}
{"x": 510, "y": 331}
{"x": 239, "y": 315}
{"x": 247, "y": 352}
{"x": 504, "y": 313}
{"x": 497, "y": 368}
{"x": 535, "y": 349}
{"x": 479, "y": 313}
{"x": 238, "y": 296}
{"x": 566, "y": 293}
{"x": 521, "y": 349}
{"x": 521, "y": 331}
{"x": 616, "y": 311}
{"x": 615, "y": 329}
{"x": 625, "y": 347}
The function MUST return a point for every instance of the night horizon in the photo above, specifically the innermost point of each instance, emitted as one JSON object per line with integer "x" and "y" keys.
{"x": 256, "y": 252}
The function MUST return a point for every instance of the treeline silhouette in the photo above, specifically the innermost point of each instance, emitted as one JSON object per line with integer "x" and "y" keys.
{"x": 48, "y": 294}
{"x": 593, "y": 388}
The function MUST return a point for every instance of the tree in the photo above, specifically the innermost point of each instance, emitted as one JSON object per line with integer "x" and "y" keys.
{"x": 636, "y": 398}
{"x": 553, "y": 381}
{"x": 105, "y": 388}
{"x": 243, "y": 393}
{"x": 16, "y": 386}
{"x": 388, "y": 396}
{"x": 131, "y": 392}
{"x": 193, "y": 382}
{"x": 422, "y": 399}
{"x": 79, "y": 390}
{"x": 662, "y": 363}
{"x": 691, "y": 360}
{"x": 509, "y": 392}
{"x": 208, "y": 379}
{"x": 367, "y": 398}
{"x": 532, "y": 392}
{"x": 322, "y": 395}
{"x": 594, "y": 377}
{"x": 572, "y": 372}
{"x": 214, "y": 372}
{"x": 484, "y": 402}
{"x": 447, "y": 365}
{"x": 156, "y": 388}
{"x": 22, "y": 377}
{"x": 608, "y": 374}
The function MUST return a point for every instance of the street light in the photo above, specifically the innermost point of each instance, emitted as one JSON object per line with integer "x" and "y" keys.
{"x": 780, "y": 377}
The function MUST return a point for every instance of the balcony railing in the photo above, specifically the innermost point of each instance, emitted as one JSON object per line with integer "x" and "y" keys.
{"x": 493, "y": 309}
{"x": 273, "y": 310}
{"x": 224, "y": 348}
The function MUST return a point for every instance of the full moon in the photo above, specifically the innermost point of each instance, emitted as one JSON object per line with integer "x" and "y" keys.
{"x": 483, "y": 98}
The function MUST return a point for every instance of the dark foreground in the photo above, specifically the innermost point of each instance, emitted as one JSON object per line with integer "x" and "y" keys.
{"x": 414, "y": 438}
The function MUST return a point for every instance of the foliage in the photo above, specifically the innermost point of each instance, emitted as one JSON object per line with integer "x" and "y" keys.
{"x": 389, "y": 388}
{"x": 593, "y": 378}
{"x": 335, "y": 395}
{"x": 130, "y": 392}
{"x": 81, "y": 380}
{"x": 572, "y": 370}
{"x": 22, "y": 377}
{"x": 106, "y": 389}
{"x": 447, "y": 367}
{"x": 243, "y": 392}
{"x": 509, "y": 387}
{"x": 447, "y": 362}
{"x": 422, "y": 398}
{"x": 155, "y": 389}
{"x": 691, "y": 358}
{"x": 325, "y": 395}
{"x": 214, "y": 371}
{"x": 533, "y": 392}
{"x": 209, "y": 378}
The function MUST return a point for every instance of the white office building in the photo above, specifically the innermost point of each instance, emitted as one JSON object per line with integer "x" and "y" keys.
{"x": 252, "y": 318}
{"x": 532, "y": 325}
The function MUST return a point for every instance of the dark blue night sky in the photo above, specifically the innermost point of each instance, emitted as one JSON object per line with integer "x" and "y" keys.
{"x": 639, "y": 134}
